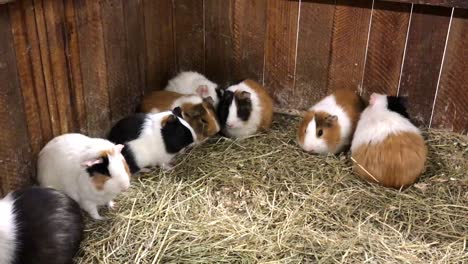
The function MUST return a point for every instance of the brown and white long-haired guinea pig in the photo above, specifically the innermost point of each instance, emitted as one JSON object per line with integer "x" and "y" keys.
{"x": 245, "y": 109}
{"x": 387, "y": 148}
{"x": 328, "y": 126}
{"x": 197, "y": 111}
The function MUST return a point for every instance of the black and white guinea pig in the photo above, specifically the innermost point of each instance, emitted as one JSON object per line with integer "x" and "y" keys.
{"x": 39, "y": 225}
{"x": 245, "y": 109}
{"x": 387, "y": 148}
{"x": 152, "y": 139}
{"x": 190, "y": 82}
{"x": 328, "y": 126}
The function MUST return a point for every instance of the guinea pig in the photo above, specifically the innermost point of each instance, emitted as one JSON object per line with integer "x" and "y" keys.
{"x": 39, "y": 225}
{"x": 245, "y": 109}
{"x": 92, "y": 171}
{"x": 152, "y": 139}
{"x": 387, "y": 148}
{"x": 190, "y": 82}
{"x": 328, "y": 126}
{"x": 198, "y": 112}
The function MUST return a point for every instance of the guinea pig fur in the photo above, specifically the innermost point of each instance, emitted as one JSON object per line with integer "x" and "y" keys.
{"x": 152, "y": 139}
{"x": 92, "y": 171}
{"x": 245, "y": 109}
{"x": 190, "y": 82}
{"x": 39, "y": 225}
{"x": 328, "y": 126}
{"x": 198, "y": 112}
{"x": 387, "y": 148}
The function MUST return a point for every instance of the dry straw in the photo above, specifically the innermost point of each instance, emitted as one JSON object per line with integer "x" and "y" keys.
{"x": 264, "y": 200}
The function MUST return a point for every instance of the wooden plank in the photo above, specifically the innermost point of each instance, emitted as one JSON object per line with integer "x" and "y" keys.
{"x": 120, "y": 95}
{"x": 15, "y": 152}
{"x": 249, "y": 26}
{"x": 451, "y": 105}
{"x": 386, "y": 47}
{"x": 189, "y": 38}
{"x": 426, "y": 43}
{"x": 447, "y": 3}
{"x": 74, "y": 71}
{"x": 219, "y": 55}
{"x": 280, "y": 50}
{"x": 93, "y": 66}
{"x": 348, "y": 45}
{"x": 313, "y": 54}
{"x": 159, "y": 43}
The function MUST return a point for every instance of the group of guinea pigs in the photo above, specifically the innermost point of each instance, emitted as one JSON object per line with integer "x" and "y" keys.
{"x": 76, "y": 171}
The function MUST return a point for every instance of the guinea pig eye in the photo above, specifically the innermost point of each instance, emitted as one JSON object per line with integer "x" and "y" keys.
{"x": 319, "y": 133}
{"x": 204, "y": 121}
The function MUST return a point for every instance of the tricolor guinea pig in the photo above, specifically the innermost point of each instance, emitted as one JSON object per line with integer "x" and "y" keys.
{"x": 39, "y": 225}
{"x": 245, "y": 109}
{"x": 387, "y": 148}
{"x": 92, "y": 171}
{"x": 152, "y": 139}
{"x": 190, "y": 82}
{"x": 328, "y": 126}
{"x": 198, "y": 112}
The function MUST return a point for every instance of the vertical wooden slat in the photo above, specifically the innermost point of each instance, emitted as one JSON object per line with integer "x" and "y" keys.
{"x": 280, "y": 50}
{"x": 313, "y": 54}
{"x": 348, "y": 45}
{"x": 451, "y": 106}
{"x": 188, "y": 29}
{"x": 219, "y": 55}
{"x": 159, "y": 43}
{"x": 15, "y": 152}
{"x": 249, "y": 26}
{"x": 93, "y": 66}
{"x": 426, "y": 43}
{"x": 115, "y": 42}
{"x": 386, "y": 47}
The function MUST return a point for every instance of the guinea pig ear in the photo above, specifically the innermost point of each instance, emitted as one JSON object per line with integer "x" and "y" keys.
{"x": 118, "y": 148}
{"x": 168, "y": 119}
{"x": 244, "y": 95}
{"x": 177, "y": 111}
{"x": 90, "y": 163}
{"x": 202, "y": 90}
{"x": 209, "y": 100}
{"x": 331, "y": 119}
{"x": 220, "y": 92}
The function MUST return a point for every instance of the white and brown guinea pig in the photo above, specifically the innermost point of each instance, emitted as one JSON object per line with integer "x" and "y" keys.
{"x": 152, "y": 139}
{"x": 190, "y": 82}
{"x": 39, "y": 225}
{"x": 198, "y": 112}
{"x": 245, "y": 109}
{"x": 92, "y": 171}
{"x": 387, "y": 148}
{"x": 328, "y": 126}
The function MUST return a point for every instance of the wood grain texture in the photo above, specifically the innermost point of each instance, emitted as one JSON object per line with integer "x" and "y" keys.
{"x": 313, "y": 54}
{"x": 189, "y": 35}
{"x": 120, "y": 95}
{"x": 386, "y": 47}
{"x": 249, "y": 30}
{"x": 15, "y": 153}
{"x": 451, "y": 105}
{"x": 280, "y": 50}
{"x": 93, "y": 66}
{"x": 447, "y": 3}
{"x": 219, "y": 56}
{"x": 424, "y": 51}
{"x": 159, "y": 43}
{"x": 348, "y": 45}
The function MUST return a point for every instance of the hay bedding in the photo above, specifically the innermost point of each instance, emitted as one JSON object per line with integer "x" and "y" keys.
{"x": 262, "y": 199}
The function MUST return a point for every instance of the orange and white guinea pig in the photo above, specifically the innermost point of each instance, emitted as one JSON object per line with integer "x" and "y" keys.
{"x": 197, "y": 111}
{"x": 328, "y": 126}
{"x": 387, "y": 148}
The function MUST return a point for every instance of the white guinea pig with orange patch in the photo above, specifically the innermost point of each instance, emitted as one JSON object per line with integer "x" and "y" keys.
{"x": 328, "y": 126}
{"x": 92, "y": 171}
{"x": 387, "y": 148}
{"x": 245, "y": 109}
{"x": 190, "y": 82}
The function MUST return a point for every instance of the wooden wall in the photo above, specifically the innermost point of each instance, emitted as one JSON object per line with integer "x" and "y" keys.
{"x": 80, "y": 65}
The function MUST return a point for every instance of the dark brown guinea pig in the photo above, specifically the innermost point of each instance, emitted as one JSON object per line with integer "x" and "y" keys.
{"x": 198, "y": 112}
{"x": 387, "y": 148}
